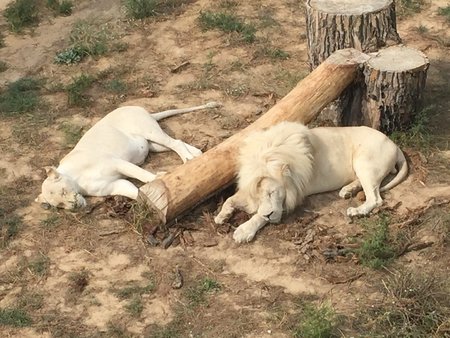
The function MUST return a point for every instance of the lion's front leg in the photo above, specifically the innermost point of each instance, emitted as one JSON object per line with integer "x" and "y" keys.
{"x": 237, "y": 201}
{"x": 247, "y": 231}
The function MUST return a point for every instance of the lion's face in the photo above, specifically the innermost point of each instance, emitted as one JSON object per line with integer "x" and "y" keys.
{"x": 272, "y": 196}
{"x": 60, "y": 191}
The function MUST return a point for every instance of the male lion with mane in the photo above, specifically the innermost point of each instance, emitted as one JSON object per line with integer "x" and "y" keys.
{"x": 280, "y": 166}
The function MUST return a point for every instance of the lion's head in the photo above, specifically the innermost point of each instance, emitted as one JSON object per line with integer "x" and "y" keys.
{"x": 59, "y": 190}
{"x": 275, "y": 165}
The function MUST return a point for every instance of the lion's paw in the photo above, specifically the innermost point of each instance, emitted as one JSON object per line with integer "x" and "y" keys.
{"x": 352, "y": 212}
{"x": 345, "y": 194}
{"x": 243, "y": 235}
{"x": 219, "y": 219}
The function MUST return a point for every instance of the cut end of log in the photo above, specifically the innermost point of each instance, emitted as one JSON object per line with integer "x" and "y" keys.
{"x": 398, "y": 59}
{"x": 348, "y": 56}
{"x": 349, "y": 7}
{"x": 156, "y": 195}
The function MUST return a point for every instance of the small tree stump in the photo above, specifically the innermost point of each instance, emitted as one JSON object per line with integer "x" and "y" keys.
{"x": 336, "y": 24}
{"x": 395, "y": 79}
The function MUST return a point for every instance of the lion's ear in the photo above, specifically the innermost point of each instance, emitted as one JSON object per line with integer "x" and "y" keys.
{"x": 52, "y": 172}
{"x": 285, "y": 170}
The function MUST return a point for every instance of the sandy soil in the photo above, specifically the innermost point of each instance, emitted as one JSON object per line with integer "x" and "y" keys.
{"x": 262, "y": 282}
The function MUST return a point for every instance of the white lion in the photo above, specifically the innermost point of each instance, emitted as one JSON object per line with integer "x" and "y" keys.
{"x": 278, "y": 167}
{"x": 112, "y": 149}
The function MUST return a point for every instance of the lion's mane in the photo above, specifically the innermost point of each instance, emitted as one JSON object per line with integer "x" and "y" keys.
{"x": 283, "y": 153}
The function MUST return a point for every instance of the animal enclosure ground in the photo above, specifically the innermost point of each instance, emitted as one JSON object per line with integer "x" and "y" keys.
{"x": 90, "y": 274}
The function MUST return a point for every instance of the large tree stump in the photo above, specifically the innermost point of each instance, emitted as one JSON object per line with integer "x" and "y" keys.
{"x": 336, "y": 24}
{"x": 395, "y": 79}
{"x": 193, "y": 182}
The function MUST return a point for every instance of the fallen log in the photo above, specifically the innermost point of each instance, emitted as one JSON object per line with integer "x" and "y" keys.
{"x": 193, "y": 182}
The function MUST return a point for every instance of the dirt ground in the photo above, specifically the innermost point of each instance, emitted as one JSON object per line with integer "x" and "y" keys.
{"x": 93, "y": 275}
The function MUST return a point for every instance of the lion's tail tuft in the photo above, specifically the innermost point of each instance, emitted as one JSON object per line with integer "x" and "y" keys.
{"x": 402, "y": 166}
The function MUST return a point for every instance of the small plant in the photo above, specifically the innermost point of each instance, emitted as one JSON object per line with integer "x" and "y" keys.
{"x": 63, "y": 8}
{"x": 273, "y": 53}
{"x": 69, "y": 56}
{"x": 20, "y": 96}
{"x": 227, "y": 23}
{"x": 316, "y": 322}
{"x": 9, "y": 227}
{"x": 135, "y": 290}
{"x": 79, "y": 280}
{"x": 3, "y": 66}
{"x": 39, "y": 265}
{"x": 196, "y": 295}
{"x": 409, "y": 7}
{"x": 77, "y": 90}
{"x": 135, "y": 306}
{"x": 141, "y": 9}
{"x": 445, "y": 11}
{"x": 89, "y": 38}
{"x": 418, "y": 135}
{"x": 376, "y": 250}
{"x": 20, "y": 14}
{"x": 30, "y": 301}
{"x": 14, "y": 317}
{"x": 72, "y": 133}
{"x": 116, "y": 86}
{"x": 51, "y": 221}
{"x": 422, "y": 29}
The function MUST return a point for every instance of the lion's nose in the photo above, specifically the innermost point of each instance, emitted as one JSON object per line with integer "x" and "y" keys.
{"x": 268, "y": 215}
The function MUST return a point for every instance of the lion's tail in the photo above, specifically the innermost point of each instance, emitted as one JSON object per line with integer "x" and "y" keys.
{"x": 402, "y": 166}
{"x": 172, "y": 112}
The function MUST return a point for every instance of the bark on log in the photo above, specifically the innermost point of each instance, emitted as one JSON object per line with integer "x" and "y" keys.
{"x": 193, "y": 182}
{"x": 336, "y": 24}
{"x": 395, "y": 80}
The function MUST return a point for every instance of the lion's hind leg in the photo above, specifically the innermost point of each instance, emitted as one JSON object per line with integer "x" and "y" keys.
{"x": 370, "y": 179}
{"x": 351, "y": 189}
{"x": 237, "y": 201}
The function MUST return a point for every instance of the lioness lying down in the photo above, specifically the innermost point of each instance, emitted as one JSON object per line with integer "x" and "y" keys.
{"x": 112, "y": 149}
{"x": 278, "y": 167}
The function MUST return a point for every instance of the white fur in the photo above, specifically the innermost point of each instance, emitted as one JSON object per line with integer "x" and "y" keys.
{"x": 111, "y": 150}
{"x": 278, "y": 167}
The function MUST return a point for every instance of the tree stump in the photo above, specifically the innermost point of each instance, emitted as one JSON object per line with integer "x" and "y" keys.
{"x": 395, "y": 79}
{"x": 177, "y": 192}
{"x": 336, "y": 24}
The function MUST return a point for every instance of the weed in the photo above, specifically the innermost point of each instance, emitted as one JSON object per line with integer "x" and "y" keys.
{"x": 63, "y": 8}
{"x": 116, "y": 86}
{"x": 72, "y": 133}
{"x": 418, "y": 135}
{"x": 135, "y": 290}
{"x": 196, "y": 295}
{"x": 228, "y": 4}
{"x": 422, "y": 29}
{"x": 77, "y": 90}
{"x": 416, "y": 305}
{"x": 376, "y": 250}
{"x": 316, "y": 322}
{"x": 20, "y": 96}
{"x": 2, "y": 41}
{"x": 141, "y": 9}
{"x": 69, "y": 56}
{"x": 409, "y": 7}
{"x": 141, "y": 216}
{"x": 20, "y": 14}
{"x": 3, "y": 66}
{"x": 30, "y": 301}
{"x": 135, "y": 306}
{"x": 10, "y": 225}
{"x": 117, "y": 331}
{"x": 79, "y": 280}
{"x": 266, "y": 18}
{"x": 237, "y": 90}
{"x": 14, "y": 317}
{"x": 39, "y": 265}
{"x": 272, "y": 53}
{"x": 445, "y": 11}
{"x": 51, "y": 221}
{"x": 227, "y": 23}
{"x": 89, "y": 37}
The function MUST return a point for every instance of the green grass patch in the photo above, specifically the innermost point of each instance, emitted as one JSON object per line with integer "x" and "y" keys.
{"x": 418, "y": 135}
{"x": 135, "y": 306}
{"x": 14, "y": 317}
{"x": 316, "y": 322}
{"x": 10, "y": 225}
{"x": 21, "y": 14}
{"x": 141, "y": 9}
{"x": 39, "y": 265}
{"x": 116, "y": 86}
{"x": 3, "y": 66}
{"x": 376, "y": 249}
{"x": 134, "y": 289}
{"x": 273, "y": 53}
{"x": 445, "y": 11}
{"x": 72, "y": 133}
{"x": 21, "y": 96}
{"x": 196, "y": 295}
{"x": 63, "y": 7}
{"x": 409, "y": 7}
{"x": 77, "y": 90}
{"x": 228, "y": 23}
{"x": 52, "y": 221}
